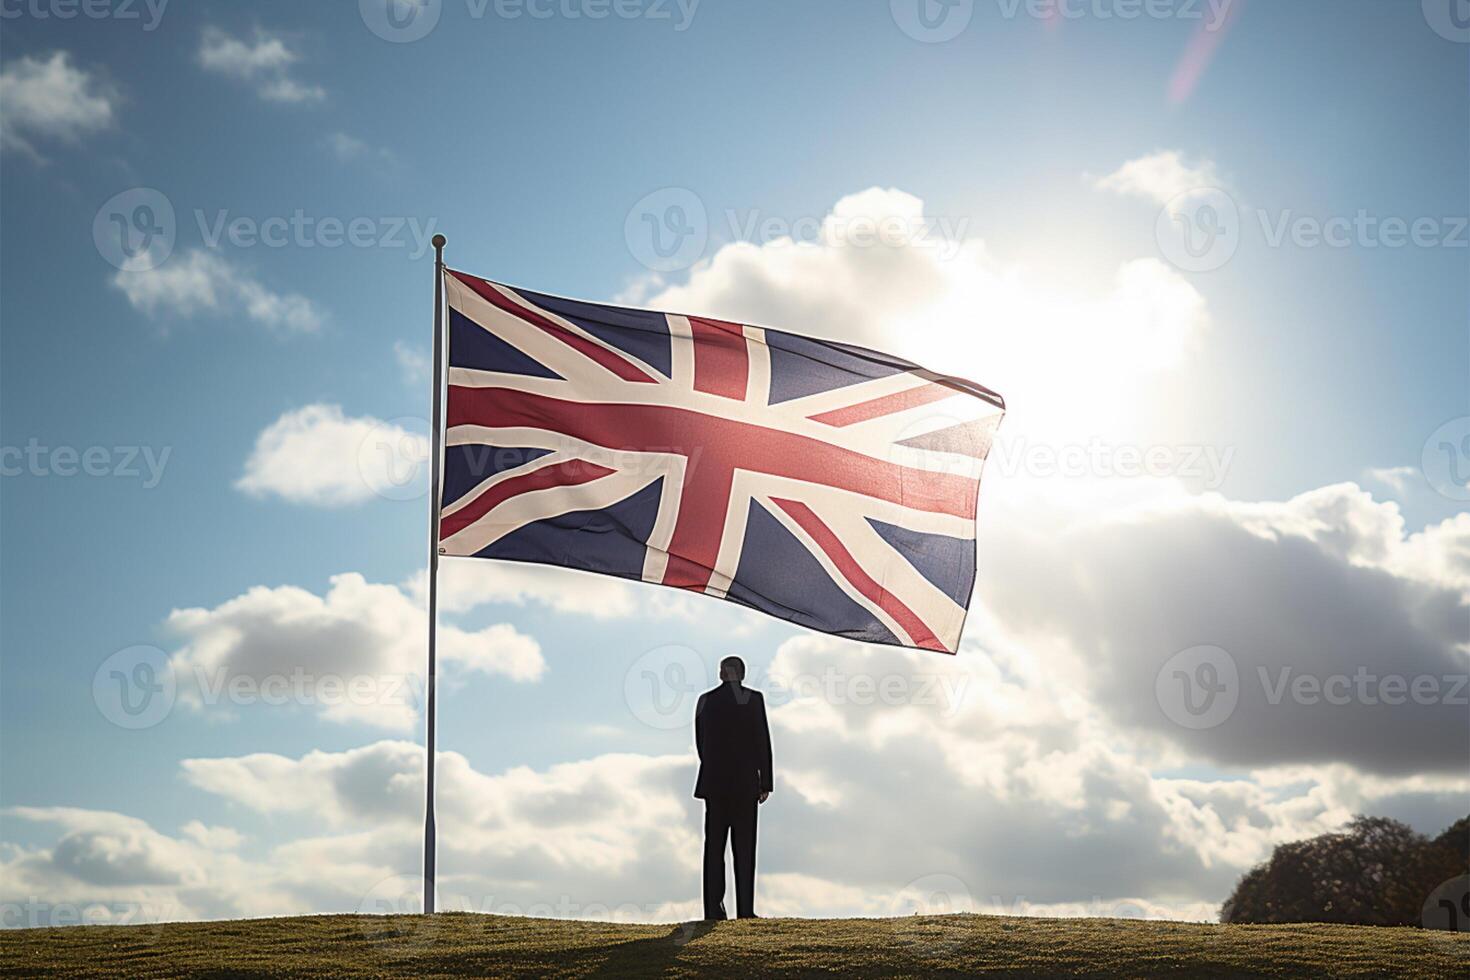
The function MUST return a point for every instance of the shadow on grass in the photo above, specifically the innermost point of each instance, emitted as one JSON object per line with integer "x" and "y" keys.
{"x": 654, "y": 956}
{"x": 642, "y": 957}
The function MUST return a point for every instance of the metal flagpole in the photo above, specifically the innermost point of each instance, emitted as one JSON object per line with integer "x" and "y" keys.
{"x": 435, "y": 450}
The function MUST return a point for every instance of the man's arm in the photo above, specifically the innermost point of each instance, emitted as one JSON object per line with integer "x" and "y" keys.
{"x": 699, "y": 727}
{"x": 767, "y": 777}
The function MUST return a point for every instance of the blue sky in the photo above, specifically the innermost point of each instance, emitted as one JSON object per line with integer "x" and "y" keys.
{"x": 1050, "y": 145}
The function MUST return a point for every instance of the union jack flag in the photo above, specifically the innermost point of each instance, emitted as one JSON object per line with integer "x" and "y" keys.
{"x": 825, "y": 484}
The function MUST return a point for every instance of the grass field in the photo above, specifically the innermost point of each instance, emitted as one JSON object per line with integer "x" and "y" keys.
{"x": 459, "y": 945}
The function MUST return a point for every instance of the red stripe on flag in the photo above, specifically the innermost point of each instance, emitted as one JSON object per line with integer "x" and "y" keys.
{"x": 571, "y": 473}
{"x": 721, "y": 362}
{"x": 906, "y": 618}
{"x": 887, "y": 405}
{"x": 716, "y": 446}
{"x": 611, "y": 360}
{"x": 699, "y": 526}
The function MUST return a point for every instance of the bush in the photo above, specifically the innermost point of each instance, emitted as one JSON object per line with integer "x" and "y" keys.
{"x": 1376, "y": 872}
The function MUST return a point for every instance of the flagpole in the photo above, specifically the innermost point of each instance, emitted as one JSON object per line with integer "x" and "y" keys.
{"x": 435, "y": 450}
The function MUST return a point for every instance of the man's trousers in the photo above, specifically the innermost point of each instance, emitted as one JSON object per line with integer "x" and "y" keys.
{"x": 732, "y": 817}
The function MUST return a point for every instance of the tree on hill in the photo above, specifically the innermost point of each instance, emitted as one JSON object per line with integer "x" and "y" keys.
{"x": 1376, "y": 872}
{"x": 1457, "y": 839}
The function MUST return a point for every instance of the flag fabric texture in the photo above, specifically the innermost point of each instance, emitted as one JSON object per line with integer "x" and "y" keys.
{"x": 825, "y": 484}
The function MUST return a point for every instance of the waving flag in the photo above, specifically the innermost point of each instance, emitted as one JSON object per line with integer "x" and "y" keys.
{"x": 824, "y": 484}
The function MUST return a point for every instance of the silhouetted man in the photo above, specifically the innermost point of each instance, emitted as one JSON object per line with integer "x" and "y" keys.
{"x": 734, "y": 745}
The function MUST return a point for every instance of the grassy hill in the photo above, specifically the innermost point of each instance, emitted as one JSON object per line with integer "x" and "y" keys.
{"x": 457, "y": 945}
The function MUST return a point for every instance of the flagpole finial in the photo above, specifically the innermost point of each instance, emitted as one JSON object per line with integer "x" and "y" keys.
{"x": 439, "y": 241}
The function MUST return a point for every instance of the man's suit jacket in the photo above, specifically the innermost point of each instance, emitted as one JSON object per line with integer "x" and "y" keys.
{"x": 734, "y": 743}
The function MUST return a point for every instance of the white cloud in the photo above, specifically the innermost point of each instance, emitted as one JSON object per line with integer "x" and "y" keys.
{"x": 1326, "y": 585}
{"x": 1063, "y": 356}
{"x": 51, "y": 99}
{"x": 106, "y": 867}
{"x": 221, "y": 52}
{"x": 212, "y": 837}
{"x": 203, "y": 282}
{"x": 373, "y": 784}
{"x": 1026, "y": 789}
{"x": 612, "y": 836}
{"x": 1396, "y": 478}
{"x": 320, "y": 456}
{"x": 356, "y": 654}
{"x": 467, "y": 583}
{"x": 348, "y": 149}
{"x": 464, "y": 585}
{"x": 1440, "y": 553}
{"x": 290, "y": 90}
{"x": 1161, "y": 177}
{"x": 103, "y": 849}
{"x": 413, "y": 362}
{"x": 264, "y": 62}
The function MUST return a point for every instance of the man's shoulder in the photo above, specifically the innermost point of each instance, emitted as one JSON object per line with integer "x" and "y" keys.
{"x": 724, "y": 691}
{"x": 749, "y": 696}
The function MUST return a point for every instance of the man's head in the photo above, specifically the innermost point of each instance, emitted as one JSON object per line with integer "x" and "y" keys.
{"x": 732, "y": 669}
